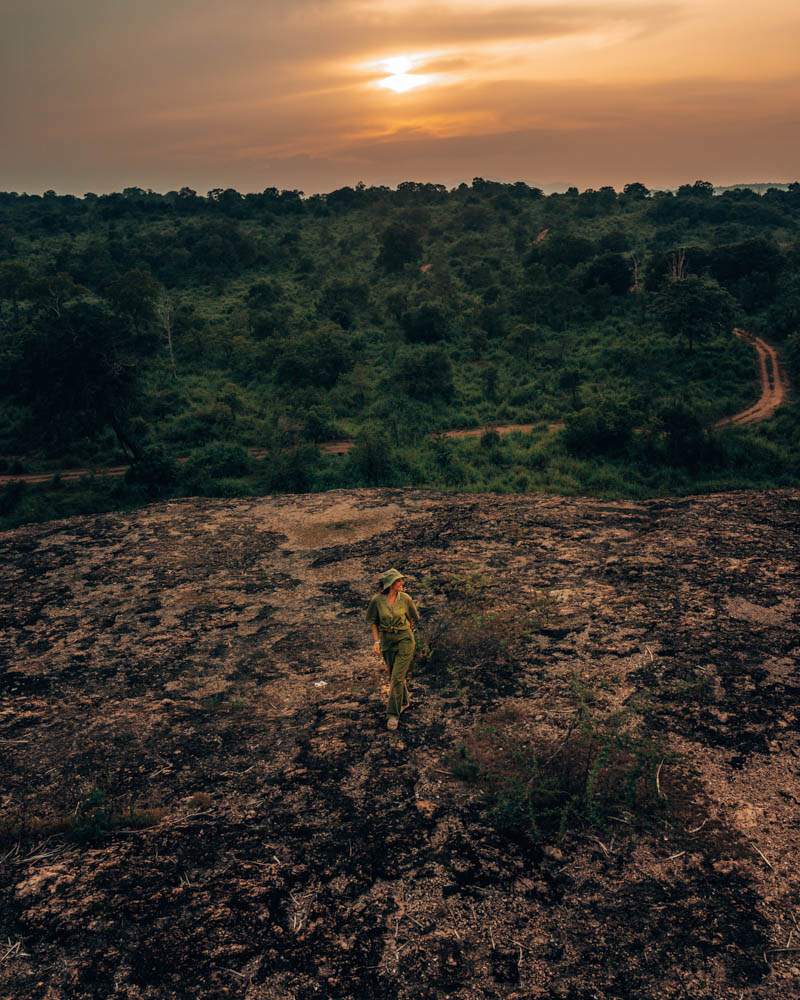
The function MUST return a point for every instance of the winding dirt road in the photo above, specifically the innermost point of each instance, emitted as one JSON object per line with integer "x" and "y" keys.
{"x": 772, "y": 378}
{"x": 773, "y": 381}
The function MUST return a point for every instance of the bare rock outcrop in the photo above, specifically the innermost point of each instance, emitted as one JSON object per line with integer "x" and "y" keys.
{"x": 199, "y": 798}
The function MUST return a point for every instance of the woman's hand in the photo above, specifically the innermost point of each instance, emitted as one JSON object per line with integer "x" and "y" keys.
{"x": 376, "y": 648}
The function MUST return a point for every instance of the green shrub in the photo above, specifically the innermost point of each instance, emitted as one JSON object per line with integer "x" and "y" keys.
{"x": 604, "y": 427}
{"x": 478, "y": 653}
{"x": 372, "y": 459}
{"x": 290, "y": 470}
{"x": 686, "y": 437}
{"x": 218, "y": 460}
{"x": 11, "y": 497}
{"x": 155, "y": 473}
{"x": 425, "y": 373}
{"x": 536, "y": 789}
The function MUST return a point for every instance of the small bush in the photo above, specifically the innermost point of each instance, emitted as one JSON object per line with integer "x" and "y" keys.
{"x": 537, "y": 789}
{"x": 94, "y": 818}
{"x": 475, "y": 653}
{"x": 603, "y": 428}
{"x": 290, "y": 470}
{"x": 218, "y": 460}
{"x": 686, "y": 438}
{"x": 372, "y": 460}
{"x": 11, "y": 497}
{"x": 425, "y": 373}
{"x": 490, "y": 440}
{"x": 155, "y": 473}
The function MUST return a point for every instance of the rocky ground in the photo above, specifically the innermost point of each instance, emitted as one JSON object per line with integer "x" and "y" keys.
{"x": 199, "y": 798}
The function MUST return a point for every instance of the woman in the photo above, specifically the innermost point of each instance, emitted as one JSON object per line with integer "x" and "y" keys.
{"x": 392, "y": 617}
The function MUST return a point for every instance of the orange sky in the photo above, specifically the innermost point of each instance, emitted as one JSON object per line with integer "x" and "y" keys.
{"x": 102, "y": 94}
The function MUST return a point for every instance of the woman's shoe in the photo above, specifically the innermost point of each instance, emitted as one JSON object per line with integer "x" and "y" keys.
{"x": 392, "y": 722}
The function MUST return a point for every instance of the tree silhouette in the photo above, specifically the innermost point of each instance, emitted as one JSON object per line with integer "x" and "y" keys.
{"x": 76, "y": 377}
{"x": 695, "y": 308}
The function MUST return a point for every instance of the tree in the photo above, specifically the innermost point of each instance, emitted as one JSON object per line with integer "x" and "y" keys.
{"x": 700, "y": 189}
{"x": 748, "y": 269}
{"x": 570, "y": 380}
{"x": 611, "y": 270}
{"x": 341, "y": 300}
{"x": 695, "y": 308}
{"x": 15, "y": 281}
{"x": 425, "y": 373}
{"x": 316, "y": 359}
{"x": 489, "y": 381}
{"x": 76, "y": 377}
{"x": 134, "y": 295}
{"x": 685, "y": 436}
{"x": 51, "y": 293}
{"x": 400, "y": 245}
{"x": 635, "y": 192}
{"x": 604, "y": 427}
{"x": 566, "y": 250}
{"x": 424, "y": 324}
{"x": 264, "y": 294}
{"x": 783, "y": 317}
{"x": 165, "y": 314}
{"x": 372, "y": 458}
{"x": 523, "y": 338}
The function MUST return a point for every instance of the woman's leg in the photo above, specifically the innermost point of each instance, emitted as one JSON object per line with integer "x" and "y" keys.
{"x": 398, "y": 694}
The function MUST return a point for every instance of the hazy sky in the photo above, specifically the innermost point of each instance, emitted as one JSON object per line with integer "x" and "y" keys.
{"x": 313, "y": 94}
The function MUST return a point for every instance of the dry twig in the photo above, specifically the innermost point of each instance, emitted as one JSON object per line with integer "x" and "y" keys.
{"x": 762, "y": 856}
{"x": 658, "y": 780}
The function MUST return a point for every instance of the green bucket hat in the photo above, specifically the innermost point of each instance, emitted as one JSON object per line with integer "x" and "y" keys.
{"x": 389, "y": 577}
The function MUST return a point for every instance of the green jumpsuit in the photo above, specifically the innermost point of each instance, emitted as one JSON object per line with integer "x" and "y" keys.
{"x": 395, "y": 623}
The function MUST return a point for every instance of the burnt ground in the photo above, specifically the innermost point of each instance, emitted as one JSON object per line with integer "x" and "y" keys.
{"x": 199, "y": 798}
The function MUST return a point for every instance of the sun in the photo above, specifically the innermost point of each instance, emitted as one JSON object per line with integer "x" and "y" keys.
{"x": 401, "y": 78}
{"x": 399, "y": 66}
{"x": 402, "y": 82}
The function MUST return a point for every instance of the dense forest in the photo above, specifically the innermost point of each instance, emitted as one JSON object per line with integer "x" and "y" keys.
{"x": 147, "y": 328}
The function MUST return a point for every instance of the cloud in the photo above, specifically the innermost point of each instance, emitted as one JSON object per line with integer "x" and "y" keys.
{"x": 208, "y": 93}
{"x": 592, "y": 143}
{"x": 446, "y": 25}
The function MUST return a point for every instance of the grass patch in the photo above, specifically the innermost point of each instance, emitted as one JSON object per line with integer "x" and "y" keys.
{"x": 93, "y": 819}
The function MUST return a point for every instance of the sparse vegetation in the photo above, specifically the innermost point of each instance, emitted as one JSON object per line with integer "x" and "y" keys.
{"x": 93, "y": 819}
{"x": 469, "y": 647}
{"x": 538, "y": 789}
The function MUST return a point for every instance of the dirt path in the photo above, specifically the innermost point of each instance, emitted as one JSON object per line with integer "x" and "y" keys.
{"x": 773, "y": 380}
{"x": 772, "y": 377}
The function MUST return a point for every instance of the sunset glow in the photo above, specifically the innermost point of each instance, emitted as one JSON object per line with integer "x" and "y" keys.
{"x": 589, "y": 92}
{"x": 401, "y": 77}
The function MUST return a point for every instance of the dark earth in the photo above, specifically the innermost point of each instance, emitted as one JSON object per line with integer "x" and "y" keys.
{"x": 199, "y": 797}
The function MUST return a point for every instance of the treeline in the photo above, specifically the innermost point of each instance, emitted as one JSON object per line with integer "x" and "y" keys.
{"x": 51, "y": 212}
{"x": 150, "y": 326}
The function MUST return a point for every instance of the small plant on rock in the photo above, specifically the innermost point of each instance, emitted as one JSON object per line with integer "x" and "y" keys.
{"x": 536, "y": 789}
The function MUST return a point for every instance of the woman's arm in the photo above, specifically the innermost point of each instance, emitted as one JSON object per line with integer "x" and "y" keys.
{"x": 372, "y": 621}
